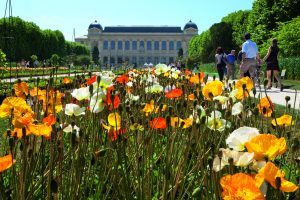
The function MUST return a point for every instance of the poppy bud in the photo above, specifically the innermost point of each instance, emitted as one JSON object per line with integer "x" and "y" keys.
{"x": 72, "y": 124}
{"x": 265, "y": 83}
{"x": 214, "y": 77}
{"x": 254, "y": 91}
{"x": 98, "y": 79}
{"x": 278, "y": 182}
{"x": 91, "y": 88}
{"x": 54, "y": 186}
{"x": 210, "y": 161}
{"x": 287, "y": 98}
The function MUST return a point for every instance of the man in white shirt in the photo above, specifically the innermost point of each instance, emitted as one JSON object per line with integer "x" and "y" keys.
{"x": 250, "y": 57}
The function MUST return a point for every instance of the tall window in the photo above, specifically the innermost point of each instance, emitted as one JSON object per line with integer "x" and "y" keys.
{"x": 112, "y": 60}
{"x": 156, "y": 45}
{"x": 127, "y": 45}
{"x": 163, "y": 45}
{"x": 120, "y": 60}
{"x": 149, "y": 59}
{"x": 112, "y": 45}
{"x": 156, "y": 60}
{"x": 120, "y": 45}
{"x": 149, "y": 45}
{"x": 164, "y": 60}
{"x": 142, "y": 45}
{"x": 133, "y": 59}
{"x": 105, "y": 59}
{"x": 171, "y": 59}
{"x": 134, "y": 45}
{"x": 141, "y": 60}
{"x": 171, "y": 45}
{"x": 178, "y": 45}
{"x": 105, "y": 45}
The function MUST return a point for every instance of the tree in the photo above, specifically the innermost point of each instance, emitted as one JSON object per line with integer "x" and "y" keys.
{"x": 95, "y": 55}
{"x": 266, "y": 16}
{"x": 3, "y": 62}
{"x": 55, "y": 60}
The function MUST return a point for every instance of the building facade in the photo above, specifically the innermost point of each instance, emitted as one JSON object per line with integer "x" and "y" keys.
{"x": 138, "y": 44}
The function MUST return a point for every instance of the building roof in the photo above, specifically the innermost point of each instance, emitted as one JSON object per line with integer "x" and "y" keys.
{"x": 95, "y": 25}
{"x": 190, "y": 24}
{"x": 142, "y": 29}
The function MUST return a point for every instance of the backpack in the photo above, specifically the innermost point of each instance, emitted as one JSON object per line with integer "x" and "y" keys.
{"x": 223, "y": 61}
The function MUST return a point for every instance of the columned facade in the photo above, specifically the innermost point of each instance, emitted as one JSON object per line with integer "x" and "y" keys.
{"x": 138, "y": 44}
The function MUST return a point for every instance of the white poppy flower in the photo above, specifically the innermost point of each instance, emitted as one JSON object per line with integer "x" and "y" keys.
{"x": 237, "y": 139}
{"x": 73, "y": 109}
{"x": 241, "y": 159}
{"x": 129, "y": 84}
{"x": 97, "y": 102}
{"x": 217, "y": 124}
{"x": 221, "y": 99}
{"x": 161, "y": 69}
{"x": 69, "y": 129}
{"x": 154, "y": 89}
{"x": 237, "y": 108}
{"x": 81, "y": 93}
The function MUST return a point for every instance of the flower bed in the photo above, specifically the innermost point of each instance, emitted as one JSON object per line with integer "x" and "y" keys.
{"x": 147, "y": 134}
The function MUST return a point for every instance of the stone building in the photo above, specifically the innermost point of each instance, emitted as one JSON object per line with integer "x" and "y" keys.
{"x": 138, "y": 44}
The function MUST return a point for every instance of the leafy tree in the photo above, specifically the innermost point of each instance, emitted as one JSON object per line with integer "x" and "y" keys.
{"x": 55, "y": 59}
{"x": 95, "y": 55}
{"x": 288, "y": 38}
{"x": 239, "y": 23}
{"x": 266, "y": 16}
{"x": 83, "y": 60}
{"x": 33, "y": 58}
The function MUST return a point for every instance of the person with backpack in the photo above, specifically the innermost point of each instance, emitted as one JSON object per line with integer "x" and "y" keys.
{"x": 220, "y": 60}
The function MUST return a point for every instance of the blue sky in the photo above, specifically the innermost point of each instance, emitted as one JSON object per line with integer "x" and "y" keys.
{"x": 64, "y": 15}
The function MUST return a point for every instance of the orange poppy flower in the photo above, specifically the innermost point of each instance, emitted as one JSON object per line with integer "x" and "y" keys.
{"x": 175, "y": 93}
{"x": 21, "y": 89}
{"x": 284, "y": 120}
{"x": 92, "y": 80}
{"x": 108, "y": 100}
{"x": 191, "y": 97}
{"x": 158, "y": 123}
{"x": 175, "y": 122}
{"x": 67, "y": 80}
{"x": 49, "y": 120}
{"x": 269, "y": 173}
{"x": 51, "y": 101}
{"x": 197, "y": 78}
{"x": 122, "y": 79}
{"x": 36, "y": 91}
{"x": 214, "y": 88}
{"x": 240, "y": 186}
{"x": 266, "y": 146}
{"x": 247, "y": 82}
{"x": 6, "y": 162}
{"x": 265, "y": 106}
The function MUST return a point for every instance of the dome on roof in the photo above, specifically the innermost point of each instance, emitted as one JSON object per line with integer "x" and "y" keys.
{"x": 190, "y": 24}
{"x": 95, "y": 25}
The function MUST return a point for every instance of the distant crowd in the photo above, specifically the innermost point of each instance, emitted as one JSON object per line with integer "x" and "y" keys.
{"x": 249, "y": 62}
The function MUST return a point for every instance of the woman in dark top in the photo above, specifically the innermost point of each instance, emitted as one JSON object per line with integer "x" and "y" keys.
{"x": 271, "y": 60}
{"x": 220, "y": 62}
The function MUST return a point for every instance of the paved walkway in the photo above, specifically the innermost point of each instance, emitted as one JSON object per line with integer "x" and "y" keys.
{"x": 278, "y": 96}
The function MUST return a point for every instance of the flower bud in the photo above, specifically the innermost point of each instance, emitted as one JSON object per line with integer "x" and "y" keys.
{"x": 265, "y": 83}
{"x": 287, "y": 98}
{"x": 91, "y": 89}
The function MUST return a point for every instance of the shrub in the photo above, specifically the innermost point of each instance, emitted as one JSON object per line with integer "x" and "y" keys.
{"x": 292, "y": 66}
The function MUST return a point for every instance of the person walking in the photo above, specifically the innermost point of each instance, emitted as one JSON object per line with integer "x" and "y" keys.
{"x": 271, "y": 60}
{"x": 231, "y": 65}
{"x": 220, "y": 62}
{"x": 250, "y": 57}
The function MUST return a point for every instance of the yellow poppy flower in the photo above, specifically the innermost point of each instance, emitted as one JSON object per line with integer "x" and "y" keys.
{"x": 6, "y": 162}
{"x": 248, "y": 84}
{"x": 284, "y": 120}
{"x": 269, "y": 173}
{"x": 149, "y": 107}
{"x": 114, "y": 122}
{"x": 266, "y": 146}
{"x": 213, "y": 88}
{"x": 9, "y": 104}
{"x": 175, "y": 122}
{"x": 265, "y": 106}
{"x": 240, "y": 186}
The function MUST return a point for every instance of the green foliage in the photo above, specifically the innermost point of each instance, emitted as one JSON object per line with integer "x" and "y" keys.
{"x": 292, "y": 66}
{"x": 76, "y": 48}
{"x": 288, "y": 38}
{"x": 3, "y": 62}
{"x": 33, "y": 58}
{"x": 95, "y": 55}
{"x": 238, "y": 21}
{"x": 82, "y": 60}
{"x": 55, "y": 59}
{"x": 266, "y": 16}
